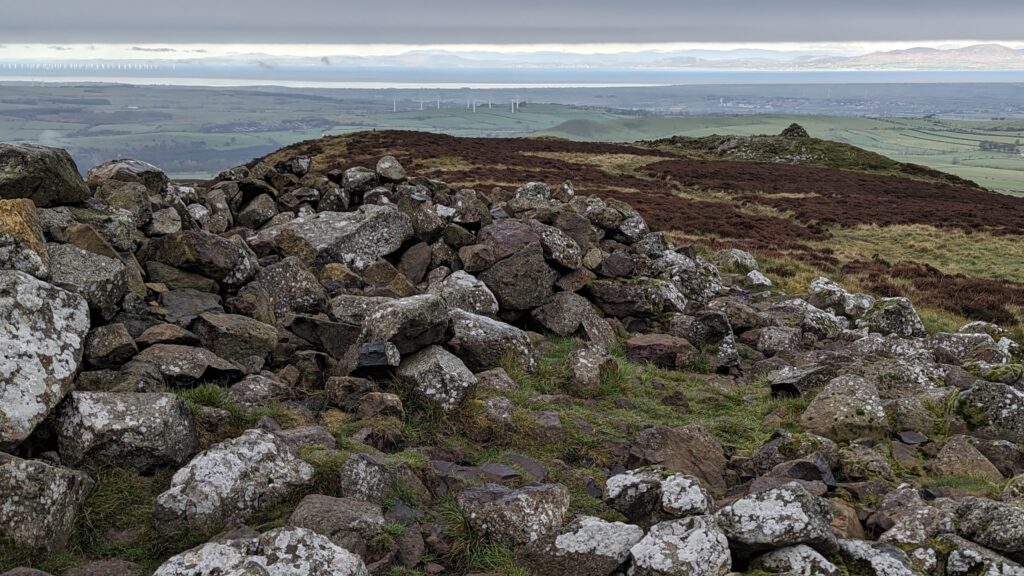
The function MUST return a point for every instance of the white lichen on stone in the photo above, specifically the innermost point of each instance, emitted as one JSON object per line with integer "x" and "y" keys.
{"x": 42, "y": 331}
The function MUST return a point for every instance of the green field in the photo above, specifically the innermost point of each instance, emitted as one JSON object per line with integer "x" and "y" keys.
{"x": 197, "y": 132}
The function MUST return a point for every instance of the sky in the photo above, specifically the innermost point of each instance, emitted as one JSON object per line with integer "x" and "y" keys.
{"x": 507, "y": 22}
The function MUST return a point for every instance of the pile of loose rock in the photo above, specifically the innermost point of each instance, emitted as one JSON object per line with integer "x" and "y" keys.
{"x": 368, "y": 290}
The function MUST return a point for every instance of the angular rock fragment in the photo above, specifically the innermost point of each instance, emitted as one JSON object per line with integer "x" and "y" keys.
{"x": 129, "y": 430}
{"x": 778, "y": 518}
{"x": 39, "y": 503}
{"x": 694, "y": 545}
{"x": 47, "y": 176}
{"x": 588, "y": 546}
{"x": 230, "y": 482}
{"x": 42, "y": 335}
{"x": 22, "y": 246}
{"x": 287, "y": 551}
{"x": 437, "y": 375}
{"x": 515, "y": 517}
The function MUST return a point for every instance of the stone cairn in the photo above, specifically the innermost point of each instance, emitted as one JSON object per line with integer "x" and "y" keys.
{"x": 368, "y": 289}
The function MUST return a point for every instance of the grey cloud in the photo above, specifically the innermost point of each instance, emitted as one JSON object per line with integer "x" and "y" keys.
{"x": 141, "y": 49}
{"x": 507, "y": 21}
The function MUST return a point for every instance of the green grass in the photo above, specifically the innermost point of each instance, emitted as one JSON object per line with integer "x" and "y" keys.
{"x": 470, "y": 551}
{"x": 114, "y": 522}
{"x": 969, "y": 485}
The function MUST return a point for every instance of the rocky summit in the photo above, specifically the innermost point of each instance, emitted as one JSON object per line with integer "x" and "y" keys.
{"x": 306, "y": 369}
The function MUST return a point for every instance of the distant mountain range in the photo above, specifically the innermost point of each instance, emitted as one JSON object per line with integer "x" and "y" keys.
{"x": 182, "y": 62}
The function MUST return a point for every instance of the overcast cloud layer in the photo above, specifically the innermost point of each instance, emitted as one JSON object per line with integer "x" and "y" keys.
{"x": 509, "y": 21}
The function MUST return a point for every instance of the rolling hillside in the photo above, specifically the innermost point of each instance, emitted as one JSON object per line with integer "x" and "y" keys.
{"x": 832, "y": 209}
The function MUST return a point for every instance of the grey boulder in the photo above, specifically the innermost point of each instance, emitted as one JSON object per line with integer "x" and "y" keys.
{"x": 287, "y": 551}
{"x": 515, "y": 517}
{"x": 47, "y": 176}
{"x": 777, "y": 518}
{"x": 230, "y": 482}
{"x": 39, "y": 503}
{"x": 102, "y": 281}
{"x": 484, "y": 343}
{"x": 437, "y": 375}
{"x": 42, "y": 334}
{"x": 587, "y": 546}
{"x": 694, "y": 545}
{"x": 126, "y": 429}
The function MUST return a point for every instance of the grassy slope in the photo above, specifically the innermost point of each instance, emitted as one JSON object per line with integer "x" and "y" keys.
{"x": 946, "y": 145}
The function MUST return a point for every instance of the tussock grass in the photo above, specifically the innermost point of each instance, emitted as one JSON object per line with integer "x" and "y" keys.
{"x": 115, "y": 521}
{"x": 967, "y": 484}
{"x": 471, "y": 551}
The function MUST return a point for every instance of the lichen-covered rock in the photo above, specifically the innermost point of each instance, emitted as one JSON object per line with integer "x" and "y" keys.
{"x": 876, "y": 558}
{"x": 997, "y": 525}
{"x": 47, "y": 176}
{"x": 22, "y": 246}
{"x": 39, "y": 503}
{"x": 464, "y": 291}
{"x": 390, "y": 170}
{"x": 257, "y": 212}
{"x": 697, "y": 279}
{"x": 587, "y": 546}
{"x": 894, "y": 316}
{"x": 437, "y": 375}
{"x": 356, "y": 239}
{"x": 959, "y": 457}
{"x": 102, "y": 281}
{"x": 564, "y": 313}
{"x": 966, "y": 558}
{"x": 694, "y": 545}
{"x": 777, "y": 518}
{"x": 114, "y": 225}
{"x": 683, "y": 495}
{"x": 641, "y": 297}
{"x": 230, "y": 482}
{"x": 828, "y": 295}
{"x": 687, "y": 449}
{"x": 635, "y": 493}
{"x": 42, "y": 334}
{"x": 993, "y": 410}
{"x": 375, "y": 479}
{"x": 130, "y": 196}
{"x": 587, "y": 364}
{"x": 735, "y": 260}
{"x": 794, "y": 561}
{"x": 847, "y": 408}
{"x": 522, "y": 281}
{"x": 515, "y": 517}
{"x": 958, "y": 348}
{"x": 914, "y": 522}
{"x": 349, "y": 523}
{"x": 558, "y": 246}
{"x": 188, "y": 365}
{"x": 484, "y": 343}
{"x": 292, "y": 288}
{"x": 126, "y": 429}
{"x": 229, "y": 262}
{"x": 129, "y": 170}
{"x": 287, "y": 551}
{"x": 409, "y": 323}
{"x": 236, "y": 338}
